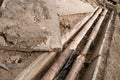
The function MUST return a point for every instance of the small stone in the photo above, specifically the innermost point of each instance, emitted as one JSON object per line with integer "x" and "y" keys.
{"x": 15, "y": 59}
{"x": 15, "y": 66}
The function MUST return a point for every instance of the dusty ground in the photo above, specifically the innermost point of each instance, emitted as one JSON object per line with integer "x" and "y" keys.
{"x": 5, "y": 58}
{"x": 68, "y": 22}
{"x": 113, "y": 62}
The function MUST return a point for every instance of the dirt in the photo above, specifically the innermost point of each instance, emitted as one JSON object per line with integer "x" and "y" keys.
{"x": 67, "y": 22}
{"x": 26, "y": 59}
{"x": 113, "y": 62}
{"x": 23, "y": 25}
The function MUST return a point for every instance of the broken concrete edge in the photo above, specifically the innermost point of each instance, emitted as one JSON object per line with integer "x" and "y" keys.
{"x": 68, "y": 7}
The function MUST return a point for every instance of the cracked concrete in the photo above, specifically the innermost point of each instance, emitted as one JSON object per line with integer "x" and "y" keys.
{"x": 29, "y": 25}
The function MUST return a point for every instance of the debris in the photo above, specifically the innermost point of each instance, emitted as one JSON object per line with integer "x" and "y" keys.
{"x": 4, "y": 66}
{"x": 36, "y": 67}
{"x": 15, "y": 65}
{"x": 16, "y": 59}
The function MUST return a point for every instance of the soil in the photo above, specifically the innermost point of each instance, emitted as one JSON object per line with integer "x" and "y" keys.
{"x": 113, "y": 62}
{"x": 67, "y": 22}
{"x": 26, "y": 59}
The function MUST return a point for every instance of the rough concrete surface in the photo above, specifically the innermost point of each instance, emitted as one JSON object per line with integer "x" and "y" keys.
{"x": 67, "y": 7}
{"x": 29, "y": 25}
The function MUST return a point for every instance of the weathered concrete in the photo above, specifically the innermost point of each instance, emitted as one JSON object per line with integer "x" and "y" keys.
{"x": 29, "y": 25}
{"x": 66, "y": 7}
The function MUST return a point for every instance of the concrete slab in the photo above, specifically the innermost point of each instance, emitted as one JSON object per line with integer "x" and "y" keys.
{"x": 66, "y": 7}
{"x": 29, "y": 25}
